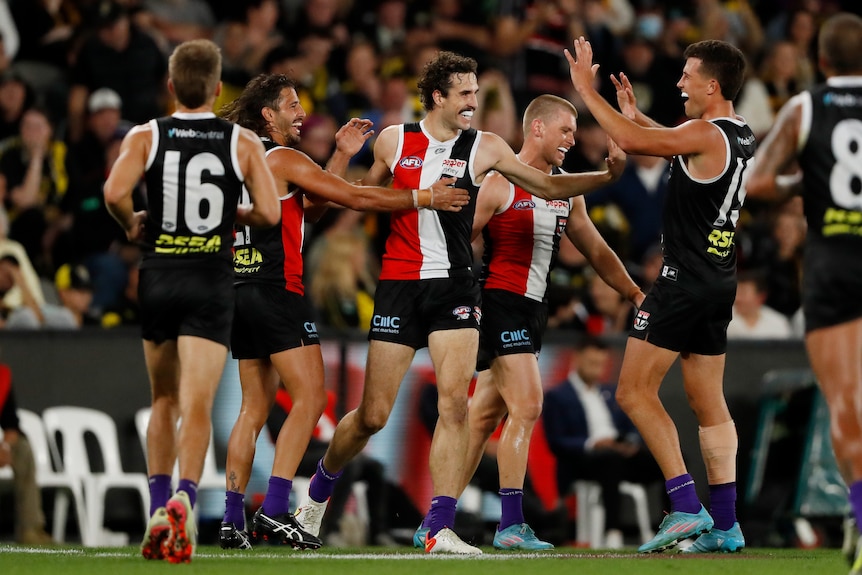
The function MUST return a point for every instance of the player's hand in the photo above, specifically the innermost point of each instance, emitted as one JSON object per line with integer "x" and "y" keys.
{"x": 625, "y": 96}
{"x": 446, "y": 198}
{"x": 616, "y": 159}
{"x": 136, "y": 232}
{"x": 581, "y": 67}
{"x": 350, "y": 138}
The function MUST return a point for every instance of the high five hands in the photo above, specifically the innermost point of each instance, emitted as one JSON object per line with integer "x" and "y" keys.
{"x": 581, "y": 67}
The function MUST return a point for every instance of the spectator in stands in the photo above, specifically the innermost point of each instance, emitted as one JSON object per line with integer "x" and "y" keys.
{"x": 91, "y": 235}
{"x": 462, "y": 27}
{"x": 126, "y": 311}
{"x": 15, "y": 452}
{"x": 784, "y": 262}
{"x": 120, "y": 56}
{"x": 342, "y": 286}
{"x": 752, "y": 318}
{"x": 176, "y": 21}
{"x": 639, "y": 194}
{"x": 74, "y": 289}
{"x": 16, "y": 96}
{"x": 14, "y": 286}
{"x": 11, "y": 295}
{"x": 34, "y": 179}
{"x": 653, "y": 77}
{"x": 780, "y": 74}
{"x": 591, "y": 436}
{"x": 360, "y": 92}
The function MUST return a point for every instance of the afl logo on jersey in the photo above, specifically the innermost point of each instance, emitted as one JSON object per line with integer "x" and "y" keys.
{"x": 411, "y": 163}
{"x": 524, "y": 205}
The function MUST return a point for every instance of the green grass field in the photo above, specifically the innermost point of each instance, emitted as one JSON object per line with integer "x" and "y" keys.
{"x": 374, "y": 561}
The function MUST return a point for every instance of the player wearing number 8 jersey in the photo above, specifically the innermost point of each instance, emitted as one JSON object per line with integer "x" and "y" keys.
{"x": 195, "y": 166}
{"x": 686, "y": 313}
{"x": 821, "y": 130}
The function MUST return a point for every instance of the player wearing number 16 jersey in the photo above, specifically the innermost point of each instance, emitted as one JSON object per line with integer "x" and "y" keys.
{"x": 822, "y": 131}
{"x": 195, "y": 166}
{"x": 686, "y": 312}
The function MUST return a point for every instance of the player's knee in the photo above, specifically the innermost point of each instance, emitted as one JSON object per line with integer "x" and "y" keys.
{"x": 485, "y": 422}
{"x": 625, "y": 398}
{"x": 452, "y": 409}
{"x": 372, "y": 419}
{"x": 526, "y": 411}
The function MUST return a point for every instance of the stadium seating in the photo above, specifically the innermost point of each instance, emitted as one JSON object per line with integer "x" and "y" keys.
{"x": 591, "y": 514}
{"x": 73, "y": 425}
{"x": 62, "y": 482}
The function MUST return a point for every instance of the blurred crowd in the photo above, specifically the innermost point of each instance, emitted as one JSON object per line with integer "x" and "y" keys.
{"x": 76, "y": 74}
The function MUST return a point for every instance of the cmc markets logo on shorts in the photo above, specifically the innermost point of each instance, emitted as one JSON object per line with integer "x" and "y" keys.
{"x": 411, "y": 162}
{"x": 524, "y": 205}
{"x": 462, "y": 311}
{"x": 386, "y": 323}
{"x": 515, "y": 336}
{"x": 641, "y": 320}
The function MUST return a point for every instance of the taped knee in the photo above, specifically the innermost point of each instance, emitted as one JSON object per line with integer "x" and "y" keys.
{"x": 719, "y": 445}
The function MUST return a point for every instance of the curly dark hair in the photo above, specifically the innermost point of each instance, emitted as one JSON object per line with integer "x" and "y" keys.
{"x": 262, "y": 91}
{"x": 437, "y": 75}
{"x": 722, "y": 61}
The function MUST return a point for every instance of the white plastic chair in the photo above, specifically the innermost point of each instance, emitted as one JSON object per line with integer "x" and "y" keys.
{"x": 73, "y": 424}
{"x": 47, "y": 478}
{"x": 591, "y": 513}
{"x": 211, "y": 477}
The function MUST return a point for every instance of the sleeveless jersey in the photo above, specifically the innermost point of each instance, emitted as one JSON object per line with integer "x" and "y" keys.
{"x": 522, "y": 242}
{"x": 700, "y": 218}
{"x": 426, "y": 243}
{"x": 273, "y": 255}
{"x": 193, "y": 185}
{"x": 831, "y": 155}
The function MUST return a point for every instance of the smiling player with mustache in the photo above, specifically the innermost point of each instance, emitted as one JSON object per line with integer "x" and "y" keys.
{"x": 427, "y": 295}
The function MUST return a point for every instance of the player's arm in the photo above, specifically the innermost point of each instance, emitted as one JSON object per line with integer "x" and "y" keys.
{"x": 125, "y": 175}
{"x": 547, "y": 186}
{"x": 776, "y": 154}
{"x": 293, "y": 166}
{"x": 692, "y": 138}
{"x": 265, "y": 209}
{"x": 380, "y": 174}
{"x": 602, "y": 258}
{"x": 492, "y": 197}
